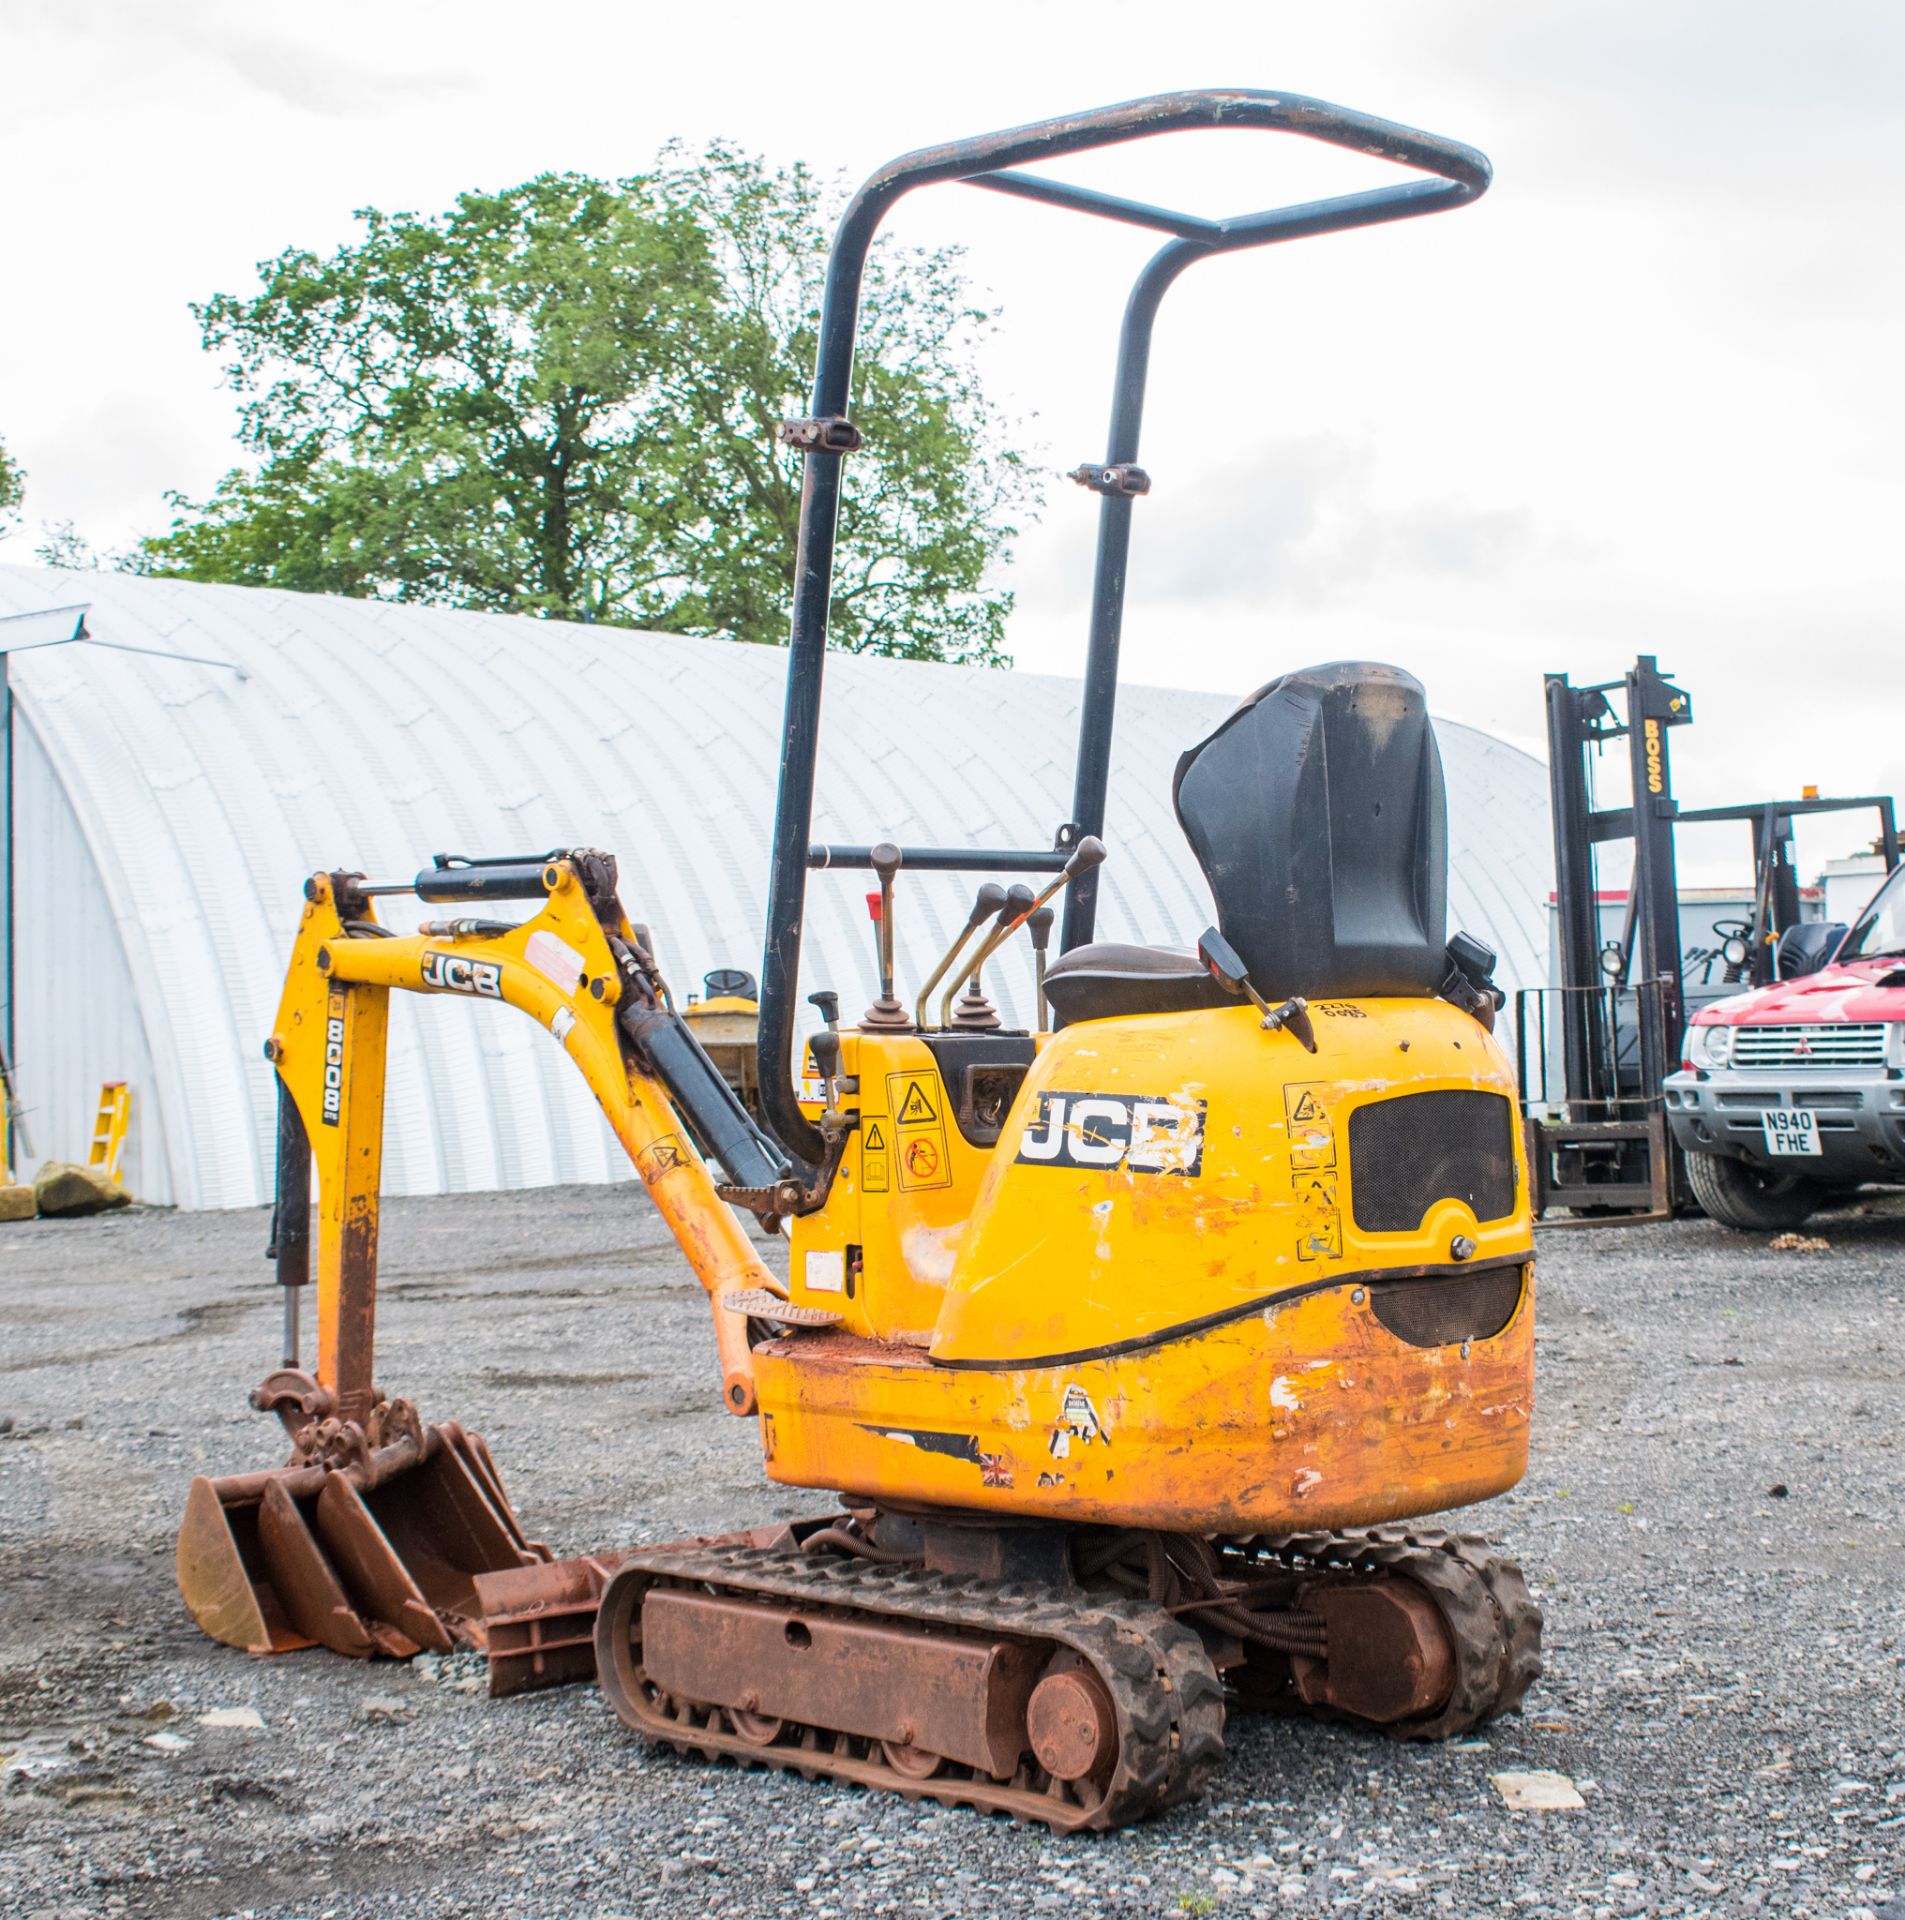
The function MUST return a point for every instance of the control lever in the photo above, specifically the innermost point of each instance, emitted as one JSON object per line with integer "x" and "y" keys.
{"x": 975, "y": 1010}
{"x": 1089, "y": 853}
{"x": 1226, "y": 967}
{"x": 985, "y": 903}
{"x": 825, "y": 1046}
{"x": 886, "y": 1011}
{"x": 827, "y": 1003}
{"x": 1038, "y": 923}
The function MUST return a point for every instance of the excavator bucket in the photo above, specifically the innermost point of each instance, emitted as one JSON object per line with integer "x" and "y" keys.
{"x": 378, "y": 1555}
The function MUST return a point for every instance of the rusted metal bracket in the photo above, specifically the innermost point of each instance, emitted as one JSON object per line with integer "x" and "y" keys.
{"x": 1127, "y": 480}
{"x": 830, "y": 433}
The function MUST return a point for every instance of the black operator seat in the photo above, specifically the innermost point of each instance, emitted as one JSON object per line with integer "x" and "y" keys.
{"x": 1317, "y": 813}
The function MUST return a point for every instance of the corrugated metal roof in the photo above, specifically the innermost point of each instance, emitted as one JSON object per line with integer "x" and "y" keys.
{"x": 372, "y": 736}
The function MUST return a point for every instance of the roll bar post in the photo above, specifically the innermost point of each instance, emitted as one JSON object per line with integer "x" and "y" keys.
{"x": 1458, "y": 174}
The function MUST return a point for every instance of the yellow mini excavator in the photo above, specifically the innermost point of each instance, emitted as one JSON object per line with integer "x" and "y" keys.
{"x": 1124, "y": 1344}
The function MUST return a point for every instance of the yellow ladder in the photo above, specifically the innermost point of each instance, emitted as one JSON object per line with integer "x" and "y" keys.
{"x": 109, "y": 1130}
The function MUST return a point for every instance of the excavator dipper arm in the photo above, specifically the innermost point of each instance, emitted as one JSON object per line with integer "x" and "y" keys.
{"x": 372, "y": 1537}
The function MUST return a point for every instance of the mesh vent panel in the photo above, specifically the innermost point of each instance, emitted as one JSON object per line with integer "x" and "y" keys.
{"x": 1407, "y": 1153}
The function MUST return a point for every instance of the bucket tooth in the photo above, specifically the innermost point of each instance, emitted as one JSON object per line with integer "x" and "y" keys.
{"x": 306, "y": 1585}
{"x": 224, "y": 1575}
{"x": 372, "y": 1569}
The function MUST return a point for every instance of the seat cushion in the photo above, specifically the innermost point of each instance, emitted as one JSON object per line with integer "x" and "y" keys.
{"x": 1108, "y": 979}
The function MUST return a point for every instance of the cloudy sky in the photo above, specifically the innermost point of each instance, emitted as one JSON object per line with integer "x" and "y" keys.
{"x": 1644, "y": 397}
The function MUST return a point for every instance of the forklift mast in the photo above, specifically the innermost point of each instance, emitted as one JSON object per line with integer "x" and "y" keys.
{"x": 1581, "y": 720}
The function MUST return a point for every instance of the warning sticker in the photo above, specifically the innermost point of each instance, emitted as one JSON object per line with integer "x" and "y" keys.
{"x": 919, "y": 1131}
{"x": 660, "y": 1157}
{"x": 875, "y": 1169}
{"x": 1319, "y": 1223}
{"x": 1312, "y": 1140}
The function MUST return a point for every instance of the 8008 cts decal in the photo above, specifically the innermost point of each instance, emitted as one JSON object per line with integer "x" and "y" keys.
{"x": 1143, "y": 1133}
{"x": 454, "y": 974}
{"x": 333, "y": 1058}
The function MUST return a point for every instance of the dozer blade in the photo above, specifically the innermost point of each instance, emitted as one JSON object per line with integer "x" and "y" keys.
{"x": 539, "y": 1619}
{"x": 379, "y": 1555}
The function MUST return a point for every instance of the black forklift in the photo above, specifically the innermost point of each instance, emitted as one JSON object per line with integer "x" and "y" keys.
{"x": 1593, "y": 1048}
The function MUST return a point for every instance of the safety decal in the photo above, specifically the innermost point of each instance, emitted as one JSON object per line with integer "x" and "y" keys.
{"x": 1078, "y": 1425}
{"x": 660, "y": 1157}
{"x": 454, "y": 973}
{"x": 333, "y": 1105}
{"x": 1319, "y": 1222}
{"x": 1312, "y": 1139}
{"x": 826, "y": 1270}
{"x": 554, "y": 959}
{"x": 1139, "y": 1132}
{"x": 919, "y": 1132}
{"x": 875, "y": 1169}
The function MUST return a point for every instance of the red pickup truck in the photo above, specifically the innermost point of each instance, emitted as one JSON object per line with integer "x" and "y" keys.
{"x": 1797, "y": 1089}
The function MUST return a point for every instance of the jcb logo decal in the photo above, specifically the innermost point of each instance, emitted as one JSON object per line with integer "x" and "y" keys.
{"x": 333, "y": 1060}
{"x": 454, "y": 974}
{"x": 1138, "y": 1132}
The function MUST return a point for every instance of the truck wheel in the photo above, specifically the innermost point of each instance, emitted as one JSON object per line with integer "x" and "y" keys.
{"x": 1738, "y": 1194}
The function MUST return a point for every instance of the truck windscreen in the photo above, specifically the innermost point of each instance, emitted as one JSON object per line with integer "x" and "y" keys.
{"x": 1881, "y": 927}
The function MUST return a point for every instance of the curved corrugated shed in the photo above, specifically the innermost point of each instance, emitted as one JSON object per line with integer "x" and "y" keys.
{"x": 175, "y": 809}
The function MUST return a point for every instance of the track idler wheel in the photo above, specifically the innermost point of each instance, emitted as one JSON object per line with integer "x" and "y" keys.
{"x": 1072, "y": 1723}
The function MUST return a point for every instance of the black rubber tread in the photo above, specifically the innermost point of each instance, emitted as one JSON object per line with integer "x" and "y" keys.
{"x": 1740, "y": 1195}
{"x": 1165, "y": 1693}
{"x": 1494, "y": 1626}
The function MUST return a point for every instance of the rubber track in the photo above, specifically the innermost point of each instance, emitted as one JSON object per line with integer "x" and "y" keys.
{"x": 1167, "y": 1696}
{"x": 1494, "y": 1625}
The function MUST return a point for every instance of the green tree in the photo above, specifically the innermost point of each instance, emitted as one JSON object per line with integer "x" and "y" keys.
{"x": 565, "y": 398}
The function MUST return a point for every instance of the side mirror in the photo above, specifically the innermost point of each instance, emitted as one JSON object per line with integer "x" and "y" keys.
{"x": 1807, "y": 947}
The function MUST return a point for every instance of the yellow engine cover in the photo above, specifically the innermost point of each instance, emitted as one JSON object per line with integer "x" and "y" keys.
{"x": 1208, "y": 1281}
{"x": 1160, "y": 1171}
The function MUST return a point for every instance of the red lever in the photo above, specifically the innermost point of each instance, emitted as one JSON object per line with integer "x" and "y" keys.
{"x": 873, "y": 907}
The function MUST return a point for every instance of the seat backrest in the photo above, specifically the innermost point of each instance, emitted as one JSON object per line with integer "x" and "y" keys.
{"x": 1317, "y": 813}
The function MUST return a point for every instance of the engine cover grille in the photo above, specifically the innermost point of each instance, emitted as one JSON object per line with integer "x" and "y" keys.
{"x": 1820, "y": 1043}
{"x": 1407, "y": 1153}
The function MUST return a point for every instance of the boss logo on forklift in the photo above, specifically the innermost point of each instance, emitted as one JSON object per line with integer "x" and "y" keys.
{"x": 1096, "y": 1130}
{"x": 454, "y": 974}
{"x": 333, "y": 1060}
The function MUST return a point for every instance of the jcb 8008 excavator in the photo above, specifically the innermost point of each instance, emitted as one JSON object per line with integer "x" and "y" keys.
{"x": 1123, "y": 1344}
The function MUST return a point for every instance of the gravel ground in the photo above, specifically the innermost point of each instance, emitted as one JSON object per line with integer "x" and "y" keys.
{"x": 1713, "y": 1522}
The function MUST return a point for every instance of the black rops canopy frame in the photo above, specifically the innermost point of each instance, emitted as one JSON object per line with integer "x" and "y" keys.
{"x": 1462, "y": 175}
